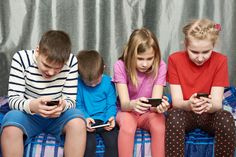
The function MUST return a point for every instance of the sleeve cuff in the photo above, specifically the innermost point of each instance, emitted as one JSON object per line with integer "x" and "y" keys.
{"x": 27, "y": 107}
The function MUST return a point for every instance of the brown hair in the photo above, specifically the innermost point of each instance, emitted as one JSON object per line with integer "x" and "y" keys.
{"x": 201, "y": 29}
{"x": 56, "y": 46}
{"x": 140, "y": 41}
{"x": 90, "y": 64}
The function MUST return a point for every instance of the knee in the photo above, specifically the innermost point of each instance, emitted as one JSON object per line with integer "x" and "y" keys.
{"x": 157, "y": 124}
{"x": 11, "y": 132}
{"x": 77, "y": 124}
{"x": 13, "y": 115}
{"x": 127, "y": 124}
{"x": 128, "y": 130}
{"x": 223, "y": 115}
{"x": 158, "y": 129}
{"x": 224, "y": 119}
{"x": 174, "y": 113}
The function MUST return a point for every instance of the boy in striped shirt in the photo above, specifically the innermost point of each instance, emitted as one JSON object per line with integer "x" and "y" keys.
{"x": 37, "y": 77}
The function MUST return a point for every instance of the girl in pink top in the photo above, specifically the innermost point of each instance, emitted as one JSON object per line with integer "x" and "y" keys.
{"x": 140, "y": 74}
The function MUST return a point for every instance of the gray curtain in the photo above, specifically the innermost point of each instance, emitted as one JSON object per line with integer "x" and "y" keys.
{"x": 105, "y": 25}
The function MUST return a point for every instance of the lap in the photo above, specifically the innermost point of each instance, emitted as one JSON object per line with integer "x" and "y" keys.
{"x": 32, "y": 125}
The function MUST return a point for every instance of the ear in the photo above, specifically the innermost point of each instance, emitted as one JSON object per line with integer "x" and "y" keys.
{"x": 37, "y": 51}
{"x": 185, "y": 43}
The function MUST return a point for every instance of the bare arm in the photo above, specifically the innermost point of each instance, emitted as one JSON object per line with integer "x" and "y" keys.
{"x": 123, "y": 93}
{"x": 136, "y": 105}
{"x": 212, "y": 104}
{"x": 157, "y": 91}
{"x": 216, "y": 99}
{"x": 177, "y": 98}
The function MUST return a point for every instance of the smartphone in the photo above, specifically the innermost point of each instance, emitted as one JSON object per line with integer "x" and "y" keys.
{"x": 202, "y": 95}
{"x": 154, "y": 101}
{"x": 99, "y": 126}
{"x": 53, "y": 103}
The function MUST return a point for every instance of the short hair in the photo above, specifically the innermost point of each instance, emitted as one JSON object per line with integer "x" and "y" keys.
{"x": 90, "y": 64}
{"x": 55, "y": 45}
{"x": 201, "y": 29}
{"x": 139, "y": 41}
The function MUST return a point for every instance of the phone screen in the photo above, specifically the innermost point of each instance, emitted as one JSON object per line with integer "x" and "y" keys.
{"x": 154, "y": 101}
{"x": 99, "y": 126}
{"x": 202, "y": 95}
{"x": 52, "y": 103}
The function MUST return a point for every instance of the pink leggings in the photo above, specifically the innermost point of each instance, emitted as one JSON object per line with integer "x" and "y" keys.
{"x": 150, "y": 121}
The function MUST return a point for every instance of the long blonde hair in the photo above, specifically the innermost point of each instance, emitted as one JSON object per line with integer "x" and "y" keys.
{"x": 140, "y": 41}
{"x": 202, "y": 29}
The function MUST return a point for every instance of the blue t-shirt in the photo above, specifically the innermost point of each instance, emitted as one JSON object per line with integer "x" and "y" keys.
{"x": 97, "y": 102}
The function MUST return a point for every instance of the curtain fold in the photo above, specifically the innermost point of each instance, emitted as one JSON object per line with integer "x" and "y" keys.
{"x": 105, "y": 25}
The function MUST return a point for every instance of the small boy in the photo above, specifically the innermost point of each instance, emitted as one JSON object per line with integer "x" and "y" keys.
{"x": 96, "y": 98}
{"x": 36, "y": 78}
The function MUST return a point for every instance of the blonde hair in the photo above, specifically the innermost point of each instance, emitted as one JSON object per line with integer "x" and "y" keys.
{"x": 202, "y": 29}
{"x": 139, "y": 42}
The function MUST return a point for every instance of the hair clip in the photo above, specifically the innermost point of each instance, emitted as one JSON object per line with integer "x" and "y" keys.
{"x": 217, "y": 26}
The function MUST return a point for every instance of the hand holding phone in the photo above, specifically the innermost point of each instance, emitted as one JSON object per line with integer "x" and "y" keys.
{"x": 202, "y": 95}
{"x": 99, "y": 126}
{"x": 52, "y": 103}
{"x": 154, "y": 101}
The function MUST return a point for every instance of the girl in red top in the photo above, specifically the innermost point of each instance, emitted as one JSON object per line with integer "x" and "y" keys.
{"x": 199, "y": 69}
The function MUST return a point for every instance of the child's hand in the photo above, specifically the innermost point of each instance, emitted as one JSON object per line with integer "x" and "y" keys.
{"x": 56, "y": 112}
{"x": 164, "y": 106}
{"x": 39, "y": 106}
{"x": 89, "y": 122}
{"x": 112, "y": 123}
{"x": 198, "y": 105}
{"x": 140, "y": 105}
{"x": 208, "y": 103}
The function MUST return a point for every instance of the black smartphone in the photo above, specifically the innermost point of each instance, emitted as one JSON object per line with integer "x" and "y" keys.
{"x": 53, "y": 103}
{"x": 202, "y": 95}
{"x": 154, "y": 101}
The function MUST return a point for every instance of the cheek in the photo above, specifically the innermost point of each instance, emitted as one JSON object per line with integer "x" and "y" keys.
{"x": 191, "y": 55}
{"x": 138, "y": 63}
{"x": 44, "y": 69}
{"x": 151, "y": 61}
{"x": 41, "y": 67}
{"x": 57, "y": 71}
{"x": 208, "y": 56}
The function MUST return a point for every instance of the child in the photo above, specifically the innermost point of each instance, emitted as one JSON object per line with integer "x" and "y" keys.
{"x": 38, "y": 76}
{"x": 97, "y": 99}
{"x": 140, "y": 74}
{"x": 199, "y": 69}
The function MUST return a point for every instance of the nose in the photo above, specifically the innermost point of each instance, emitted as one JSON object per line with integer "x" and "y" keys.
{"x": 51, "y": 72}
{"x": 144, "y": 64}
{"x": 200, "y": 58}
{"x": 93, "y": 85}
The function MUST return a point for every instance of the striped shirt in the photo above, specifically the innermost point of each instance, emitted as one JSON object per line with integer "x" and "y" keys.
{"x": 26, "y": 82}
